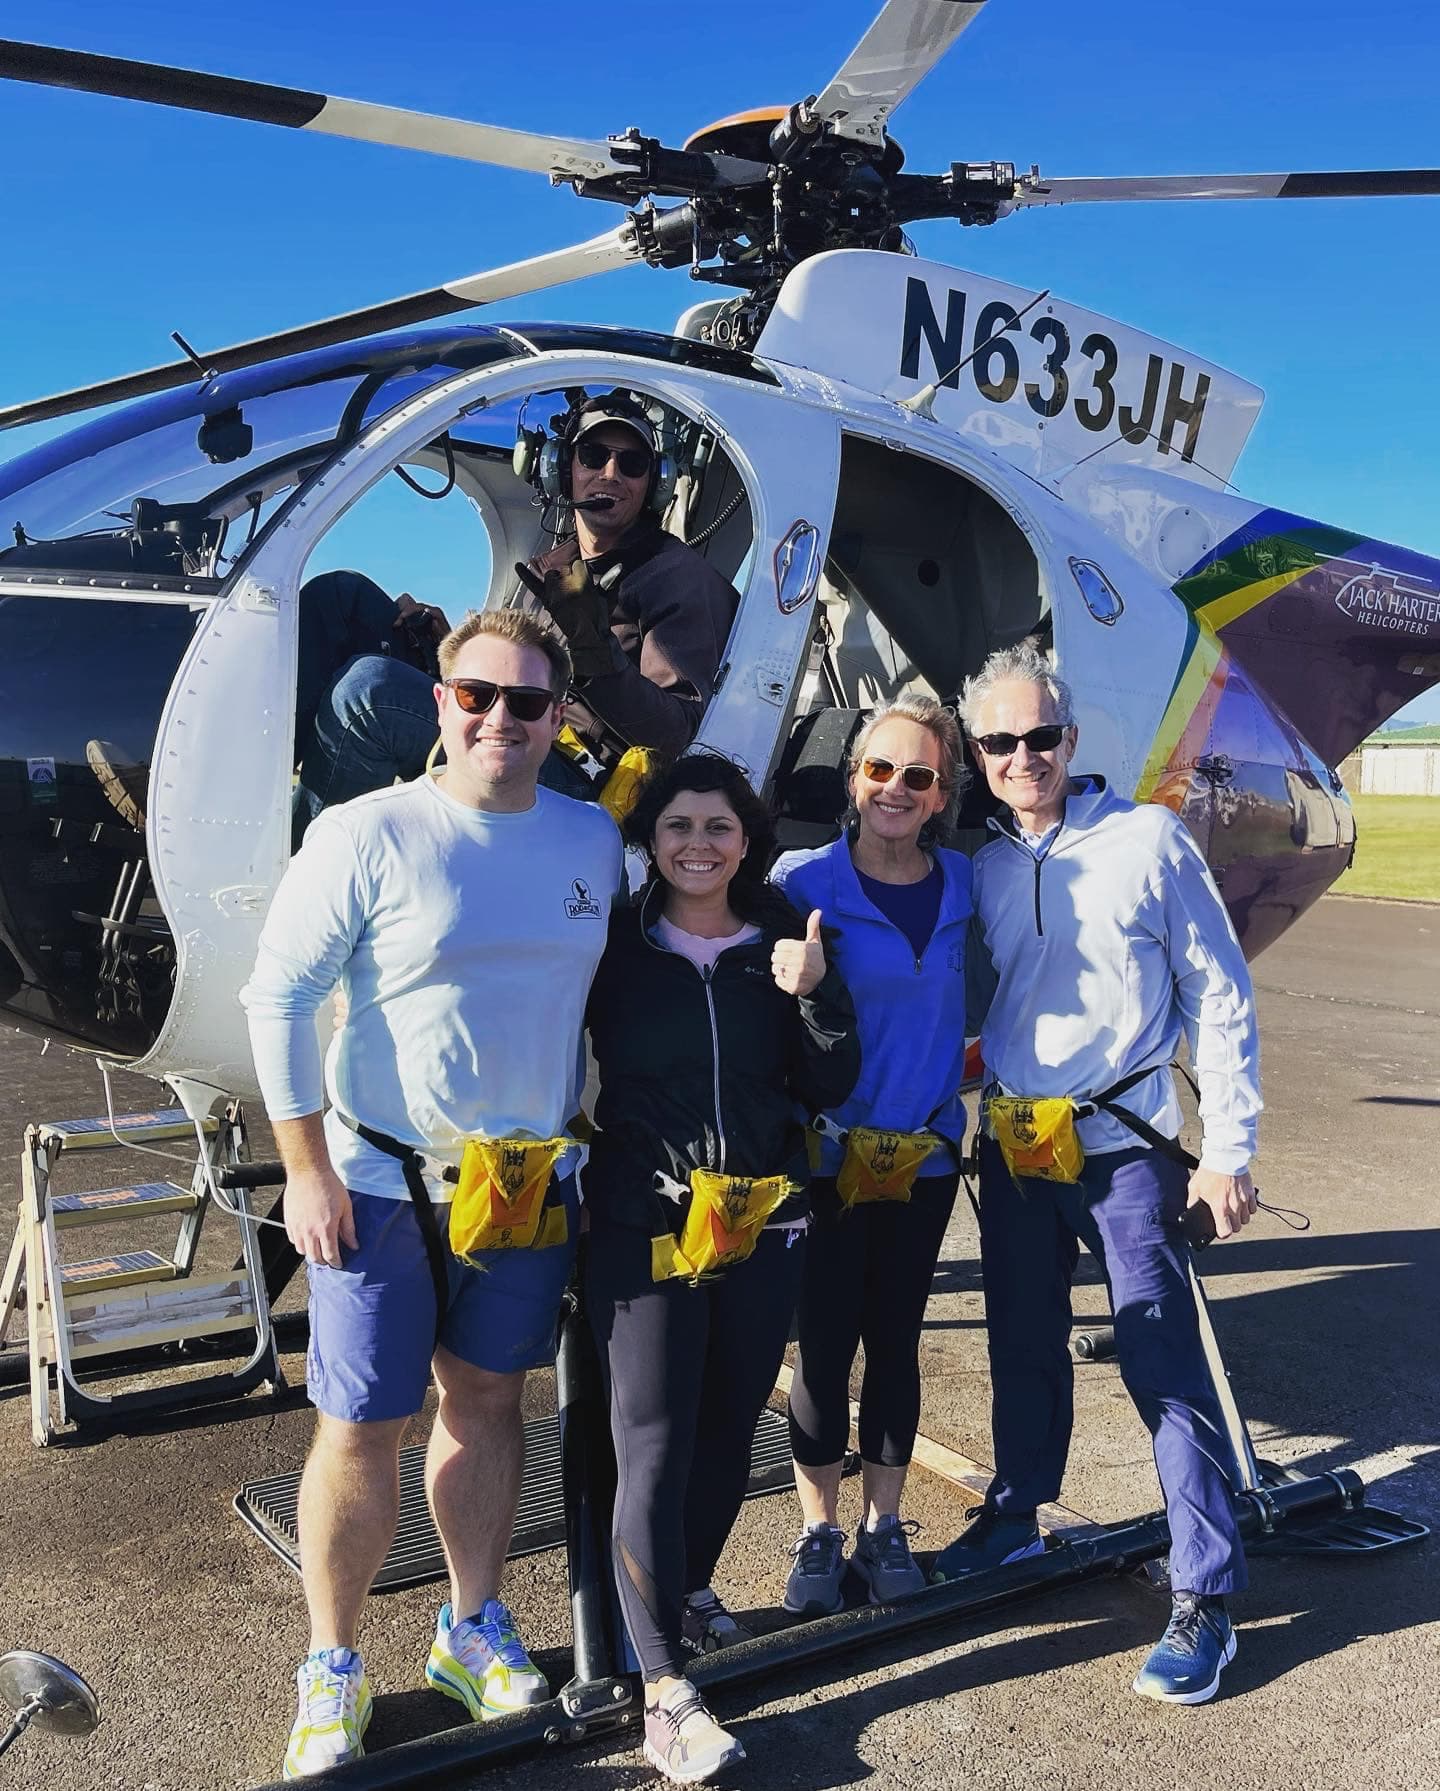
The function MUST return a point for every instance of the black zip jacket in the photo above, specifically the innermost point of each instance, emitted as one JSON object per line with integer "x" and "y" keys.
{"x": 703, "y": 1071}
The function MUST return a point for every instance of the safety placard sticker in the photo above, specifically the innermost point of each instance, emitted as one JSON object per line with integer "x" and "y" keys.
{"x": 42, "y": 780}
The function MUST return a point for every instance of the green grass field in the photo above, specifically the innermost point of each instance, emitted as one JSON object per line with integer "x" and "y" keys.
{"x": 1398, "y": 850}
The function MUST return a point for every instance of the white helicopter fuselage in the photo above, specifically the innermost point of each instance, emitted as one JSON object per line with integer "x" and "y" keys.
{"x": 1104, "y": 452}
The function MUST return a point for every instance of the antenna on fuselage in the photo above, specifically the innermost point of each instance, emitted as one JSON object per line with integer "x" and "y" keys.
{"x": 922, "y": 403}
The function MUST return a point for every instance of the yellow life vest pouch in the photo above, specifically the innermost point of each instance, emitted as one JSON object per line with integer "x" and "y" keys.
{"x": 726, "y": 1216}
{"x": 621, "y": 789}
{"x": 1037, "y": 1138}
{"x": 500, "y": 1202}
{"x": 881, "y": 1165}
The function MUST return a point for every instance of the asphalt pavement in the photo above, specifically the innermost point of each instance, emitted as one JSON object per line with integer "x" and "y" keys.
{"x": 123, "y": 1556}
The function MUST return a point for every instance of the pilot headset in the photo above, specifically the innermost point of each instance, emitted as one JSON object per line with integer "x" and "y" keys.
{"x": 545, "y": 460}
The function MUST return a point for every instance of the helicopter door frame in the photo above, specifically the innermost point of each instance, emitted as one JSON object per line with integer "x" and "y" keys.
{"x": 219, "y": 822}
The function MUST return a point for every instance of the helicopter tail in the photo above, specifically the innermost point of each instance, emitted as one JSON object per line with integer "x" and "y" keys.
{"x": 1339, "y": 630}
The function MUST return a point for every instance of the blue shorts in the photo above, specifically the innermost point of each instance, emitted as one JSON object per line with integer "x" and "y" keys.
{"x": 372, "y": 1320}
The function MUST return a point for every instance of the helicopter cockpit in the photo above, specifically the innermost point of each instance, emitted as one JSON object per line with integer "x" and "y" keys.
{"x": 127, "y": 532}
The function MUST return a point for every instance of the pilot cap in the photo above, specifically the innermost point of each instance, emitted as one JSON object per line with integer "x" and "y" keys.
{"x": 619, "y": 410}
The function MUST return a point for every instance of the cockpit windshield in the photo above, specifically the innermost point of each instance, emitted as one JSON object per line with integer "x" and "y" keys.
{"x": 181, "y": 484}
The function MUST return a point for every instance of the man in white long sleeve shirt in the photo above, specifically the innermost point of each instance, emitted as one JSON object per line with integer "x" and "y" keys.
{"x": 463, "y": 915}
{"x": 1109, "y": 941}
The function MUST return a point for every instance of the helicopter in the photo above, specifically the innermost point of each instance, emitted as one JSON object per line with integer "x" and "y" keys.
{"x": 960, "y": 463}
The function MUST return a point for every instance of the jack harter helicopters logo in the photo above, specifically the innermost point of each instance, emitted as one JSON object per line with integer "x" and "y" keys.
{"x": 580, "y": 901}
{"x": 1394, "y": 601}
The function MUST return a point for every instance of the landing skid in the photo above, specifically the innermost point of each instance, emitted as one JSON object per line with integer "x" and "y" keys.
{"x": 602, "y": 1698}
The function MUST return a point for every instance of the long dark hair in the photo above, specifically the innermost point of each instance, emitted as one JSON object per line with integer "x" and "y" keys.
{"x": 705, "y": 773}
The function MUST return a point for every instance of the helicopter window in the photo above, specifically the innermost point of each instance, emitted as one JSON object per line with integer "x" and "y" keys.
{"x": 927, "y": 574}
{"x": 213, "y": 462}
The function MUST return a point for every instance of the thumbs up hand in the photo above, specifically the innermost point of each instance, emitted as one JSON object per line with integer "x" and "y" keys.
{"x": 798, "y": 964}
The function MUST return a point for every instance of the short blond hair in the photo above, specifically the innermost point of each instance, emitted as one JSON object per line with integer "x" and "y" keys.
{"x": 940, "y": 723}
{"x": 519, "y": 626}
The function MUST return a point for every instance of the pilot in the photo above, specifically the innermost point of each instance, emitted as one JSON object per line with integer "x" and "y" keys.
{"x": 1109, "y": 941}
{"x": 645, "y": 617}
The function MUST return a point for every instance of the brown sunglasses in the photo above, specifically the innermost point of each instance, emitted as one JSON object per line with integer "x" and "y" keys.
{"x": 918, "y": 778}
{"x": 478, "y": 696}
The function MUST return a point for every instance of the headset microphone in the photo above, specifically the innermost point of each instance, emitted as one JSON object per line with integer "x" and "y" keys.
{"x": 595, "y": 503}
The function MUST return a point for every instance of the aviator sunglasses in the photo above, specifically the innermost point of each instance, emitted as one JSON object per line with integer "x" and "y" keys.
{"x": 916, "y": 777}
{"x": 477, "y": 696}
{"x": 634, "y": 463}
{"x": 998, "y": 746}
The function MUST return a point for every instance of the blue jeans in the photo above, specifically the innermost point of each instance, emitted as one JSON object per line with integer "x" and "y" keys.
{"x": 376, "y": 722}
{"x": 1126, "y": 1209}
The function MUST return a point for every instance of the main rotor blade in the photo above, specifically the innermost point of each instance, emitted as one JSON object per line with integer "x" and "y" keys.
{"x": 1374, "y": 183}
{"x": 295, "y": 107}
{"x": 905, "y": 42}
{"x": 598, "y": 256}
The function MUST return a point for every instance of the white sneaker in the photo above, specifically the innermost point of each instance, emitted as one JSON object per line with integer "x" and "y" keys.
{"x": 334, "y": 1713}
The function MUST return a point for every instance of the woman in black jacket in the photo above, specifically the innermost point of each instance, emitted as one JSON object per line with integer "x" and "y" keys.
{"x": 712, "y": 1015}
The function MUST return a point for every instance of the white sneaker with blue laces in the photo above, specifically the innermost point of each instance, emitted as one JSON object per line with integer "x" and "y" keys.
{"x": 334, "y": 1713}
{"x": 482, "y": 1663}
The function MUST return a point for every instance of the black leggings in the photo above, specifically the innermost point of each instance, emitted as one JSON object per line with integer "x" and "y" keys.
{"x": 687, "y": 1372}
{"x": 867, "y": 1278}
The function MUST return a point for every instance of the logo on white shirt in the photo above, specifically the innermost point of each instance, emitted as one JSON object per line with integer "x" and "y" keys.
{"x": 580, "y": 902}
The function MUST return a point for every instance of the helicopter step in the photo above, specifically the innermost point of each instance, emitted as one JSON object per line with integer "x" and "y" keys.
{"x": 87, "y": 1310}
{"x": 126, "y": 1270}
{"x": 100, "y": 1205}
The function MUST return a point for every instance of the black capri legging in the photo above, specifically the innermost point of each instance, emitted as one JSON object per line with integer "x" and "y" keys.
{"x": 867, "y": 1277}
{"x": 687, "y": 1372}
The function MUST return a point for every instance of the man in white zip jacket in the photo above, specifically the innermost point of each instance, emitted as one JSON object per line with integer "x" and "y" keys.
{"x": 1109, "y": 941}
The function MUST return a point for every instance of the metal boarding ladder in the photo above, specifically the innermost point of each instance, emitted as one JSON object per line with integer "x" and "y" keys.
{"x": 81, "y": 1311}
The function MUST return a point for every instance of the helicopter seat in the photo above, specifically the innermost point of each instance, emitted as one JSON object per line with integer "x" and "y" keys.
{"x": 811, "y": 791}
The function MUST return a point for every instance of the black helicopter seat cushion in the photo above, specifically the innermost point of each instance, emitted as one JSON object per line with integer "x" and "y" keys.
{"x": 811, "y": 792}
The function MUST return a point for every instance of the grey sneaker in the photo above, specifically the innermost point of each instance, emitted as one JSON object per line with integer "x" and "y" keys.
{"x": 706, "y": 1625}
{"x": 683, "y": 1741}
{"x": 883, "y": 1560}
{"x": 813, "y": 1588}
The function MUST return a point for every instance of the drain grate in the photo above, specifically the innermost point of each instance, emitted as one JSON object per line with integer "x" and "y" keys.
{"x": 269, "y": 1506}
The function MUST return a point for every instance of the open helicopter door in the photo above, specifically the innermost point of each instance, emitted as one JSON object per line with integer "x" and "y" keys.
{"x": 221, "y": 780}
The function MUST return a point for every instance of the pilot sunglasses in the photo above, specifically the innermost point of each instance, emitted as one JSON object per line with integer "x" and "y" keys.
{"x": 634, "y": 463}
{"x": 477, "y": 696}
{"x": 916, "y": 777}
{"x": 999, "y": 746}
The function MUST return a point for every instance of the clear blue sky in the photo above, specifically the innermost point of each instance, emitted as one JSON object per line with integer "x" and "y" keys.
{"x": 124, "y": 223}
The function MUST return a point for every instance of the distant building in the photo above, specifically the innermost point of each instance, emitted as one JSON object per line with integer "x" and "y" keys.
{"x": 1402, "y": 764}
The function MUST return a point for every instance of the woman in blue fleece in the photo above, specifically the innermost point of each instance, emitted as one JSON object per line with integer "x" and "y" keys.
{"x": 897, "y": 910}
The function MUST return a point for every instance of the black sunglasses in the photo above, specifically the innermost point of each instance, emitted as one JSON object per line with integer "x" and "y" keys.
{"x": 999, "y": 746}
{"x": 634, "y": 463}
{"x": 477, "y": 696}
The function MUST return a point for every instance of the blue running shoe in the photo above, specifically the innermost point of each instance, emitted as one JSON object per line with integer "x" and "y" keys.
{"x": 1186, "y": 1663}
{"x": 991, "y": 1539}
{"x": 482, "y": 1664}
{"x": 814, "y": 1586}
